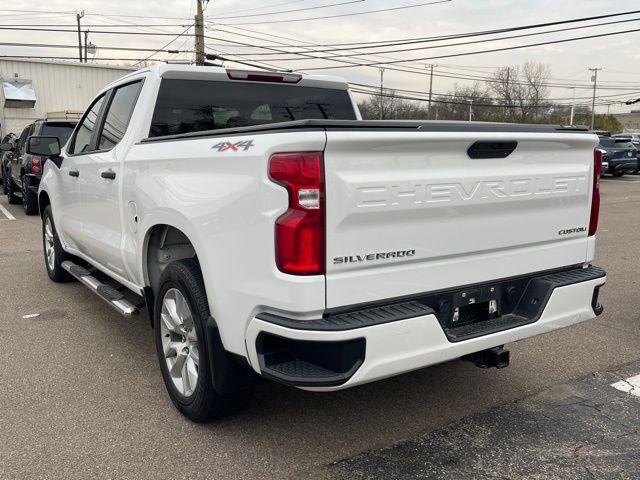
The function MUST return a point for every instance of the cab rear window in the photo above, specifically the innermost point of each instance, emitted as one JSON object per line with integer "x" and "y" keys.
{"x": 185, "y": 106}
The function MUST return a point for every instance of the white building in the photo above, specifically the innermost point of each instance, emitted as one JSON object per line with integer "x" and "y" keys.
{"x": 33, "y": 88}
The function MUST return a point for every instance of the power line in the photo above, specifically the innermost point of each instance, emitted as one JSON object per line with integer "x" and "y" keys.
{"x": 404, "y": 70}
{"x": 291, "y": 20}
{"x": 465, "y": 102}
{"x": 424, "y": 95}
{"x": 503, "y": 49}
{"x": 31, "y": 12}
{"x": 162, "y": 48}
{"x": 57, "y": 57}
{"x": 473, "y": 42}
{"x": 125, "y": 49}
{"x": 317, "y": 7}
{"x": 410, "y": 41}
{"x": 92, "y": 31}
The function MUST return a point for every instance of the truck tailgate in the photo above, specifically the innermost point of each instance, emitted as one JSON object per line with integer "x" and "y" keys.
{"x": 411, "y": 212}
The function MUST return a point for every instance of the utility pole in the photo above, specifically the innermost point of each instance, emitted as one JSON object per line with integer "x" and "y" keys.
{"x": 594, "y": 79}
{"x": 78, "y": 17}
{"x": 199, "y": 31}
{"x": 431, "y": 65}
{"x": 471, "y": 110}
{"x": 573, "y": 102}
{"x": 86, "y": 42}
{"x": 381, "y": 91}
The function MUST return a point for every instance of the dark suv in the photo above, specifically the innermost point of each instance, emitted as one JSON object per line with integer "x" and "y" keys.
{"x": 24, "y": 171}
{"x": 634, "y": 138}
{"x": 622, "y": 155}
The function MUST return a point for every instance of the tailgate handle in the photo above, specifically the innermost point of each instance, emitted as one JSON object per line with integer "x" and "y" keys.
{"x": 491, "y": 149}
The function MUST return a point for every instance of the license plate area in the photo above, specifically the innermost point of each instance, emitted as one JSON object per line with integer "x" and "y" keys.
{"x": 477, "y": 305}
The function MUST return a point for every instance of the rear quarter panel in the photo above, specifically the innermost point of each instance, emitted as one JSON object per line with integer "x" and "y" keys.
{"x": 226, "y": 204}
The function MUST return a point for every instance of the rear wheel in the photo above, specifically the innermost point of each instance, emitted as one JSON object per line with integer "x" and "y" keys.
{"x": 617, "y": 174}
{"x": 54, "y": 255}
{"x": 4, "y": 180}
{"x": 11, "y": 189}
{"x": 29, "y": 199}
{"x": 180, "y": 315}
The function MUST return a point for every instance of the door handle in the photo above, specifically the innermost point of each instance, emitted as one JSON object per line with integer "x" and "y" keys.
{"x": 74, "y": 173}
{"x": 110, "y": 174}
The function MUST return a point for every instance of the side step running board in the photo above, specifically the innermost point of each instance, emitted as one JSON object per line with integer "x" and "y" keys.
{"x": 109, "y": 294}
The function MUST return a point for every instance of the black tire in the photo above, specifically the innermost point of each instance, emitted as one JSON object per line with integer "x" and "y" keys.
{"x": 55, "y": 271}
{"x": 11, "y": 196}
{"x": 29, "y": 199}
{"x": 618, "y": 174}
{"x": 205, "y": 403}
{"x": 4, "y": 180}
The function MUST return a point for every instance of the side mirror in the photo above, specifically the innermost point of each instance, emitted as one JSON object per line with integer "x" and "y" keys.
{"x": 6, "y": 147}
{"x": 44, "y": 146}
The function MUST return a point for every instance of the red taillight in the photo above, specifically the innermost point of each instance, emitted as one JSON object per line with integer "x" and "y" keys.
{"x": 300, "y": 236}
{"x": 595, "y": 199}
{"x": 34, "y": 164}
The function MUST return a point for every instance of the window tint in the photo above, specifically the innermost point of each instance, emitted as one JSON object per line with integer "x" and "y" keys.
{"x": 22, "y": 144}
{"x": 62, "y": 130}
{"x": 195, "y": 105}
{"x": 82, "y": 140}
{"x": 118, "y": 115}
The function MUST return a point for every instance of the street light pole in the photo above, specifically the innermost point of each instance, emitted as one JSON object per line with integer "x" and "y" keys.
{"x": 572, "y": 105}
{"x": 86, "y": 37}
{"x": 78, "y": 17}
{"x": 471, "y": 110}
{"x": 431, "y": 65}
{"x": 594, "y": 79}
{"x": 381, "y": 92}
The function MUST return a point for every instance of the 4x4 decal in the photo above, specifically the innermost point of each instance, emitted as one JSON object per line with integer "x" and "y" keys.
{"x": 233, "y": 147}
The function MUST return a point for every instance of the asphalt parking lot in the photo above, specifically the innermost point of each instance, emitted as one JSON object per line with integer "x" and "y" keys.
{"x": 81, "y": 395}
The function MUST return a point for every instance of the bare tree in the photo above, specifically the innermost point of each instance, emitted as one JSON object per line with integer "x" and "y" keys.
{"x": 393, "y": 106}
{"x": 521, "y": 92}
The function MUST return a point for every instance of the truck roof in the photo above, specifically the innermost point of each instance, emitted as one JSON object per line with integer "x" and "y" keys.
{"x": 194, "y": 72}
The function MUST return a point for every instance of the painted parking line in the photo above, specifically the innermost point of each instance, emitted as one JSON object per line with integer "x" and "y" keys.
{"x": 6, "y": 213}
{"x": 630, "y": 385}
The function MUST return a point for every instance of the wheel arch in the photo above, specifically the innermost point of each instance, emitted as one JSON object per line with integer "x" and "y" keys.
{"x": 163, "y": 243}
{"x": 43, "y": 201}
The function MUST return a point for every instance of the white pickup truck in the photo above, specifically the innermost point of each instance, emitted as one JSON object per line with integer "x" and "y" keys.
{"x": 269, "y": 231}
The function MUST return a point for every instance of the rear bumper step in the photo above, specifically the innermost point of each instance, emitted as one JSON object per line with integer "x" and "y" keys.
{"x": 353, "y": 347}
{"x": 113, "y": 297}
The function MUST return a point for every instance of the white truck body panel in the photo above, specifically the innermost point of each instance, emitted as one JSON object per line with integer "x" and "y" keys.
{"x": 466, "y": 221}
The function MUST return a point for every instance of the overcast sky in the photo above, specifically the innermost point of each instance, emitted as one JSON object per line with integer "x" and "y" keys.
{"x": 619, "y": 56}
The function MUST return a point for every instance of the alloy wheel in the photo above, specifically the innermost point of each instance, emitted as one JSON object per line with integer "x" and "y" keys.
{"x": 179, "y": 342}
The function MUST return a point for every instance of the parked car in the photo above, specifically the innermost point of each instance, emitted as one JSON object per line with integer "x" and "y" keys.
{"x": 605, "y": 160}
{"x": 11, "y": 140}
{"x": 634, "y": 138}
{"x": 272, "y": 232}
{"x": 623, "y": 156}
{"x": 24, "y": 170}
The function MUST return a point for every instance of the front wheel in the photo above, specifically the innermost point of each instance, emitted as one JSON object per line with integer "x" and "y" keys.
{"x": 180, "y": 315}
{"x": 54, "y": 255}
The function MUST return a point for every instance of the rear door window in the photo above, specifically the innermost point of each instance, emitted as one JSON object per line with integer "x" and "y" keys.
{"x": 196, "y": 105}
{"x": 118, "y": 115}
